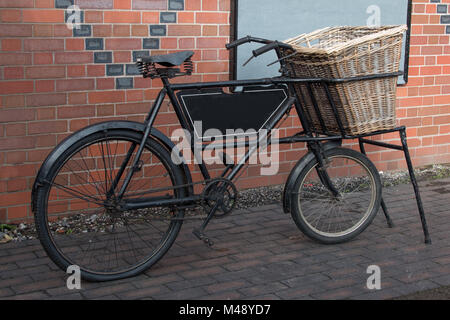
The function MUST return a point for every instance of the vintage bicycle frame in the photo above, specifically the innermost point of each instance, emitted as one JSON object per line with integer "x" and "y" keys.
{"x": 316, "y": 143}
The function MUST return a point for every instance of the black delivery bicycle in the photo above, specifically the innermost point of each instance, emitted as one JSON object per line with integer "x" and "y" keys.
{"x": 111, "y": 198}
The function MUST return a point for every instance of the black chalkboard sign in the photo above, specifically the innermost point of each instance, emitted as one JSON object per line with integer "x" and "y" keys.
{"x": 231, "y": 114}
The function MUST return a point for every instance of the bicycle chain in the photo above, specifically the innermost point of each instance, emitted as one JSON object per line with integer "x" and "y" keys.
{"x": 194, "y": 208}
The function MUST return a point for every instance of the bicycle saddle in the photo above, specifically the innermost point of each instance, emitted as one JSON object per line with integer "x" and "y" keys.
{"x": 169, "y": 60}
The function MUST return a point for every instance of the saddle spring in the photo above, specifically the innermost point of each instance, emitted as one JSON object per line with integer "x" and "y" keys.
{"x": 149, "y": 70}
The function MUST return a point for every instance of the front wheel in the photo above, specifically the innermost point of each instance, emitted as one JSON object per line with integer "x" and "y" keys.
{"x": 336, "y": 203}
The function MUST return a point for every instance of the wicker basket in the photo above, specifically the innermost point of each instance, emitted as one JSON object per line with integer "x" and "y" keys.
{"x": 342, "y": 52}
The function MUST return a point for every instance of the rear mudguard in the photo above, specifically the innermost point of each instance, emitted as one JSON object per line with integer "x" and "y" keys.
{"x": 99, "y": 127}
{"x": 290, "y": 182}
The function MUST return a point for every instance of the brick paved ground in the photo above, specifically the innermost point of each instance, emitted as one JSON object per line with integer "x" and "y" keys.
{"x": 259, "y": 253}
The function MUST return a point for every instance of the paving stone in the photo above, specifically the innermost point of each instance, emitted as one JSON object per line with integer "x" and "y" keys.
{"x": 6, "y": 292}
{"x": 415, "y": 287}
{"x": 107, "y": 290}
{"x": 219, "y": 287}
{"x": 229, "y": 295}
{"x": 262, "y": 289}
{"x": 70, "y": 296}
{"x": 442, "y": 280}
{"x": 142, "y": 293}
{"x": 156, "y": 281}
{"x": 339, "y": 294}
{"x": 38, "y": 285}
{"x": 38, "y": 295}
{"x": 191, "y": 293}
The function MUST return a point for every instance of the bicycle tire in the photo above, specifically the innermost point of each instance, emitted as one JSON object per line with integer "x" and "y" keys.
{"x": 350, "y": 212}
{"x": 118, "y": 226}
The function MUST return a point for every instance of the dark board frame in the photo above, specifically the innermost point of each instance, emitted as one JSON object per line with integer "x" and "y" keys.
{"x": 234, "y": 33}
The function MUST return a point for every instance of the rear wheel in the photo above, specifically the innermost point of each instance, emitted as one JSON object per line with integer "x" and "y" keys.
{"x": 78, "y": 214}
{"x": 334, "y": 216}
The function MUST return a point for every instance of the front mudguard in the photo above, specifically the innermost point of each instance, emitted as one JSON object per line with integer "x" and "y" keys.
{"x": 101, "y": 127}
{"x": 290, "y": 182}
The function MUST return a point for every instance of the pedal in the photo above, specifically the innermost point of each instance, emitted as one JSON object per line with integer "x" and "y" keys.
{"x": 201, "y": 236}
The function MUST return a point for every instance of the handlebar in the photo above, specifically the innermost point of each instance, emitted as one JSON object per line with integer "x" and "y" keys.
{"x": 246, "y": 39}
{"x": 269, "y": 45}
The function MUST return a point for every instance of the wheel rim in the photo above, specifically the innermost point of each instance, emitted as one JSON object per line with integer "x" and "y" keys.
{"x": 336, "y": 216}
{"x": 99, "y": 238}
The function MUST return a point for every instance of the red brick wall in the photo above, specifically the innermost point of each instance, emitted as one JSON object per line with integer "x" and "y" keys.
{"x": 424, "y": 103}
{"x": 53, "y": 82}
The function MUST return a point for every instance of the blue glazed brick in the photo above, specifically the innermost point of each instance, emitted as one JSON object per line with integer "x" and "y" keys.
{"x": 67, "y": 15}
{"x": 447, "y": 30}
{"x": 103, "y": 57}
{"x": 94, "y": 43}
{"x": 158, "y": 30}
{"x": 84, "y": 31}
{"x": 441, "y": 8}
{"x": 124, "y": 83}
{"x": 176, "y": 4}
{"x": 151, "y": 43}
{"x": 114, "y": 69}
{"x": 168, "y": 17}
{"x": 63, "y": 3}
{"x": 445, "y": 19}
{"x": 140, "y": 54}
{"x": 132, "y": 70}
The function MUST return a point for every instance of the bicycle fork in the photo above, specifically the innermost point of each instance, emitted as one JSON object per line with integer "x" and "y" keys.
{"x": 318, "y": 151}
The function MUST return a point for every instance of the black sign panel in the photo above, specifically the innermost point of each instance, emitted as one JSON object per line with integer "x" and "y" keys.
{"x": 247, "y": 111}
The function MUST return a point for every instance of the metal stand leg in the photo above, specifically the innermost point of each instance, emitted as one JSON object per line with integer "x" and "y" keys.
{"x": 383, "y": 205}
{"x": 416, "y": 187}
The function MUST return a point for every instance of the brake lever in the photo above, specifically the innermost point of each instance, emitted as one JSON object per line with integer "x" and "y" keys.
{"x": 246, "y": 62}
{"x": 282, "y": 58}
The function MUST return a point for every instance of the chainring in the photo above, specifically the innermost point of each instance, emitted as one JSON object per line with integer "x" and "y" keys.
{"x": 219, "y": 191}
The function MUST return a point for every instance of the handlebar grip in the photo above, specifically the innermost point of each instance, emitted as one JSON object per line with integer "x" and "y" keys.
{"x": 265, "y": 49}
{"x": 237, "y": 42}
{"x": 270, "y": 46}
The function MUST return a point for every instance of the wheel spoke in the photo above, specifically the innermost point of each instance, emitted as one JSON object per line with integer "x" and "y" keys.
{"x": 76, "y": 193}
